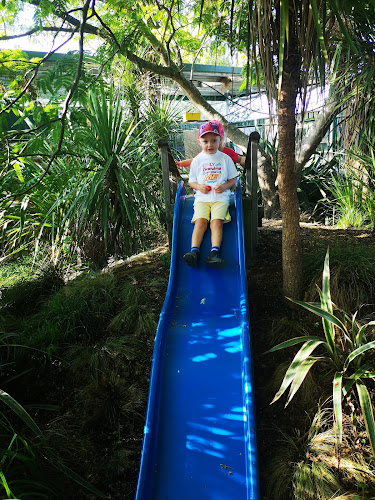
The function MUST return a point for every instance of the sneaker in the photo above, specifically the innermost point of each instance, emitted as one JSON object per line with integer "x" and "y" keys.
{"x": 191, "y": 258}
{"x": 214, "y": 260}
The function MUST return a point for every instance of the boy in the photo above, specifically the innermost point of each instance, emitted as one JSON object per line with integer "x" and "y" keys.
{"x": 212, "y": 175}
{"x": 228, "y": 151}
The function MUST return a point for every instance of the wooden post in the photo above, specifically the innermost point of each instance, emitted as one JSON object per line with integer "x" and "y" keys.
{"x": 170, "y": 180}
{"x": 254, "y": 138}
{"x": 250, "y": 201}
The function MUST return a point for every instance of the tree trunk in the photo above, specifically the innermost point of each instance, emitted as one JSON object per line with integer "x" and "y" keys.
{"x": 287, "y": 182}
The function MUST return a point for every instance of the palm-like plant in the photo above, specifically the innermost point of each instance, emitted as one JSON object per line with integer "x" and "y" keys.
{"x": 343, "y": 350}
{"x": 102, "y": 191}
{"x": 109, "y": 200}
{"x": 115, "y": 199}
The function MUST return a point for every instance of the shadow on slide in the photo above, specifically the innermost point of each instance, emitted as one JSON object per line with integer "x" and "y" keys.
{"x": 199, "y": 438}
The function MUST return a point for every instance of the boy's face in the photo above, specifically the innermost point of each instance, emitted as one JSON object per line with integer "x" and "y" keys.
{"x": 209, "y": 143}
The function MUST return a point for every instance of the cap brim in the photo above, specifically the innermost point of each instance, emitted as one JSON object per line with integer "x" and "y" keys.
{"x": 210, "y": 132}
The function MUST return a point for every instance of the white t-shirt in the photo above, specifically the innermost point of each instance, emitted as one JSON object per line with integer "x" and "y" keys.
{"x": 212, "y": 170}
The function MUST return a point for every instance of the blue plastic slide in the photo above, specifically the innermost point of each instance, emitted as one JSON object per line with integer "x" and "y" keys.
{"x": 199, "y": 439}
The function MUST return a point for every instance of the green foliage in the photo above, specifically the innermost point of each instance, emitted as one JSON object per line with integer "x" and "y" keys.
{"x": 166, "y": 259}
{"x": 83, "y": 312}
{"x": 314, "y": 481}
{"x": 26, "y": 460}
{"x": 353, "y": 189}
{"x": 345, "y": 350}
{"x": 286, "y": 453}
{"x": 321, "y": 473}
{"x": 12, "y": 63}
{"x": 27, "y": 295}
{"x": 315, "y": 186}
{"x": 135, "y": 316}
{"x": 79, "y": 311}
{"x": 90, "y": 362}
{"x": 349, "y": 200}
{"x": 18, "y": 269}
{"x": 96, "y": 376}
{"x": 108, "y": 201}
{"x": 352, "y": 276}
{"x": 115, "y": 202}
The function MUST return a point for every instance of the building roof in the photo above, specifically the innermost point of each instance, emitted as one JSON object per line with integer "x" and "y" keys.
{"x": 214, "y": 82}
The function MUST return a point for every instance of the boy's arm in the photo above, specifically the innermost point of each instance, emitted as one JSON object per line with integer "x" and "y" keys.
{"x": 234, "y": 156}
{"x": 183, "y": 163}
{"x": 227, "y": 185}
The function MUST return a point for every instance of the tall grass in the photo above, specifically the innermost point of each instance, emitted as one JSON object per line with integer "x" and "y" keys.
{"x": 353, "y": 189}
{"x": 85, "y": 362}
{"x": 350, "y": 203}
{"x": 322, "y": 473}
{"x": 352, "y": 276}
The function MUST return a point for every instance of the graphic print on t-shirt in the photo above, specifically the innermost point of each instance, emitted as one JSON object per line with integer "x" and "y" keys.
{"x": 212, "y": 172}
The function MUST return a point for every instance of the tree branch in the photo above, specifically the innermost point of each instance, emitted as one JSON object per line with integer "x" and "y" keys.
{"x": 66, "y": 103}
{"x": 319, "y": 129}
{"x": 35, "y": 70}
{"x": 93, "y": 30}
{"x": 35, "y": 30}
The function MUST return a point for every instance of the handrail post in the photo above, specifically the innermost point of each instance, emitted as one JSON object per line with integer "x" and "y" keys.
{"x": 254, "y": 138}
{"x": 170, "y": 181}
{"x": 250, "y": 201}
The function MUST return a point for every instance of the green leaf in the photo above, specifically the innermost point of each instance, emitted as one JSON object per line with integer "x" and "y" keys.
{"x": 337, "y": 403}
{"x": 367, "y": 412}
{"x": 305, "y": 351}
{"x": 21, "y": 412}
{"x": 318, "y": 27}
{"x": 326, "y": 302}
{"x": 361, "y": 372}
{"x": 105, "y": 205}
{"x": 360, "y": 334}
{"x": 343, "y": 28}
{"x": 17, "y": 168}
{"x": 291, "y": 342}
{"x": 358, "y": 352}
{"x": 300, "y": 375}
{"x": 4, "y": 483}
{"x": 323, "y": 313}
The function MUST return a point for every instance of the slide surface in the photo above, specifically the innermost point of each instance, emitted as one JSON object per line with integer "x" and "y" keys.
{"x": 199, "y": 440}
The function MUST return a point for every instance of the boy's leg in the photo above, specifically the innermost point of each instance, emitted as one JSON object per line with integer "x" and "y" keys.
{"x": 220, "y": 215}
{"x": 200, "y": 221}
{"x": 191, "y": 258}
{"x": 216, "y": 232}
{"x": 214, "y": 259}
{"x": 200, "y": 227}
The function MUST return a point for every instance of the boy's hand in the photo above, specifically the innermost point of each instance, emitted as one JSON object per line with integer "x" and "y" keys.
{"x": 227, "y": 185}
{"x": 204, "y": 189}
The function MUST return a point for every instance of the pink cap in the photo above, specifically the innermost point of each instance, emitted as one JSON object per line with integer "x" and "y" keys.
{"x": 213, "y": 127}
